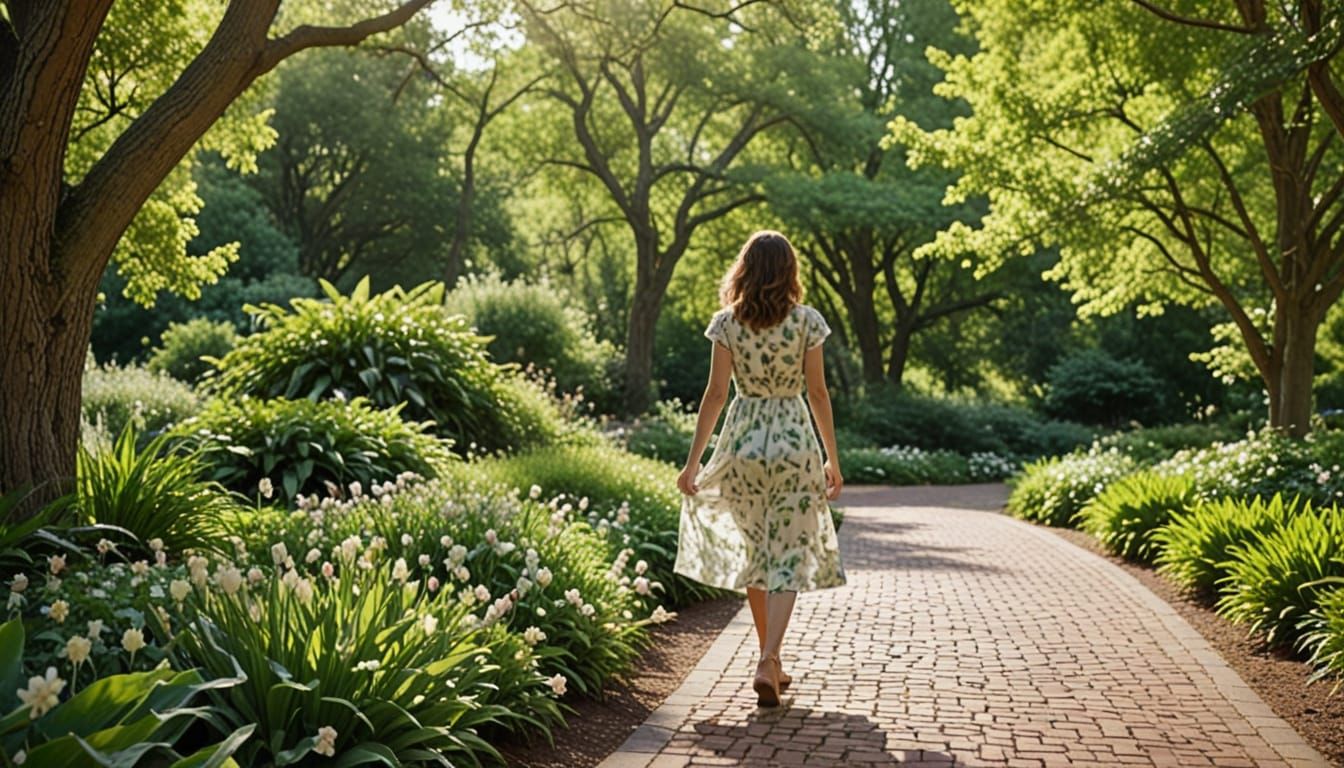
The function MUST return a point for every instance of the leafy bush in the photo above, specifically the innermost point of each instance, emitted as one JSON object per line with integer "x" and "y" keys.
{"x": 1053, "y": 490}
{"x": 126, "y": 719}
{"x": 392, "y": 348}
{"x": 665, "y": 433}
{"x": 363, "y": 662}
{"x": 299, "y": 445}
{"x": 887, "y": 416}
{"x": 183, "y": 347}
{"x": 535, "y": 323}
{"x": 115, "y": 397}
{"x": 1150, "y": 445}
{"x": 1093, "y": 387}
{"x": 154, "y": 493}
{"x": 1128, "y": 512}
{"x": 465, "y": 535}
{"x": 1323, "y": 636}
{"x": 626, "y": 496}
{"x": 1193, "y": 548}
{"x": 1263, "y": 464}
{"x": 900, "y": 465}
{"x": 1274, "y": 578}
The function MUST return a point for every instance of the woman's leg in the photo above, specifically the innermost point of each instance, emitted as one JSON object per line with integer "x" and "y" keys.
{"x": 756, "y": 598}
{"x": 778, "y": 609}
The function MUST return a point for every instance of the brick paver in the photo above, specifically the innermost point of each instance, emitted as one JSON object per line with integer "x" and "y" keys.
{"x": 965, "y": 637}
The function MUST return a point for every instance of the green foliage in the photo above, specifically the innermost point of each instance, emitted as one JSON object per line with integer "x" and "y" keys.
{"x": 1323, "y": 635}
{"x": 900, "y": 465}
{"x": 1265, "y": 463}
{"x": 1053, "y": 490}
{"x": 893, "y": 417}
{"x": 1193, "y": 548}
{"x": 154, "y": 493}
{"x": 392, "y": 348}
{"x": 150, "y": 402}
{"x": 1151, "y": 445}
{"x": 537, "y": 324}
{"x": 1129, "y": 512}
{"x": 301, "y": 445}
{"x": 465, "y": 534}
{"x": 125, "y": 720}
{"x": 626, "y": 495}
{"x": 1274, "y": 579}
{"x": 665, "y": 433}
{"x": 397, "y": 672}
{"x": 1093, "y": 387}
{"x": 183, "y": 346}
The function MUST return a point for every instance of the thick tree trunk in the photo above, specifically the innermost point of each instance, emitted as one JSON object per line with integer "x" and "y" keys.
{"x": 1291, "y": 410}
{"x": 645, "y": 305}
{"x": 900, "y": 353}
{"x": 863, "y": 317}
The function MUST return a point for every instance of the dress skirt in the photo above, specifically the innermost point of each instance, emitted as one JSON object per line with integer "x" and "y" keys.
{"x": 761, "y": 518}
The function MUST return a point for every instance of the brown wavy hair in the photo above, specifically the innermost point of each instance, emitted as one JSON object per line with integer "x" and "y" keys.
{"x": 762, "y": 286}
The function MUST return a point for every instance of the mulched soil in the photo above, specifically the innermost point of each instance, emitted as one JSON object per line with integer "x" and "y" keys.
{"x": 598, "y": 728}
{"x": 1275, "y": 675}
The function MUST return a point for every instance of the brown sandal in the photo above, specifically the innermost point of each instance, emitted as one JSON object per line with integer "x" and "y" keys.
{"x": 766, "y": 683}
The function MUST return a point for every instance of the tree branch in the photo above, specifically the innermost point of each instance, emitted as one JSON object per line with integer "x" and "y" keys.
{"x": 1188, "y": 21}
{"x": 308, "y": 36}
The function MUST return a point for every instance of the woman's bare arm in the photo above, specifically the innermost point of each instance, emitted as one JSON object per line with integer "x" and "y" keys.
{"x": 711, "y": 405}
{"x": 814, "y": 371}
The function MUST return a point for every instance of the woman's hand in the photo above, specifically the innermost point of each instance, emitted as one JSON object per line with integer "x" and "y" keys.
{"x": 834, "y": 482}
{"x": 686, "y": 480}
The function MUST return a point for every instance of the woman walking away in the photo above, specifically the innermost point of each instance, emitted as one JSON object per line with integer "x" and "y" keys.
{"x": 756, "y": 516}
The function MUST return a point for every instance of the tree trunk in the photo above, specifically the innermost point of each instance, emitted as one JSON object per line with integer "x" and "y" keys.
{"x": 863, "y": 317}
{"x": 900, "y": 353}
{"x": 646, "y": 304}
{"x": 1292, "y": 409}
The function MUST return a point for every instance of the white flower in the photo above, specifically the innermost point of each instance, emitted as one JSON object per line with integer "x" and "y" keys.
{"x": 446, "y": 541}
{"x": 544, "y": 577}
{"x": 534, "y": 492}
{"x": 368, "y": 666}
{"x": 423, "y": 560}
{"x": 313, "y": 555}
{"x": 328, "y": 570}
{"x": 230, "y": 580}
{"x": 179, "y": 589}
{"x": 583, "y": 503}
{"x": 160, "y": 558}
{"x": 132, "y": 640}
{"x": 77, "y": 649}
{"x": 326, "y": 741}
{"x": 642, "y": 585}
{"x": 42, "y": 693}
{"x": 557, "y": 683}
{"x": 20, "y": 757}
{"x": 198, "y": 565}
{"x": 491, "y": 537}
{"x": 303, "y": 590}
{"x": 56, "y": 563}
{"x": 279, "y": 553}
{"x": 457, "y": 554}
{"x": 482, "y": 593}
{"x": 290, "y": 579}
{"x": 95, "y": 628}
{"x": 266, "y": 488}
{"x": 523, "y": 585}
{"x": 432, "y": 584}
{"x": 534, "y": 635}
{"x": 661, "y": 614}
{"x": 19, "y": 583}
{"x": 399, "y": 570}
{"x": 573, "y": 597}
{"x": 356, "y": 490}
{"x": 407, "y": 540}
{"x": 429, "y": 623}
{"x": 541, "y": 611}
{"x": 140, "y": 567}
{"x": 105, "y": 546}
{"x": 59, "y": 610}
{"x": 641, "y": 567}
{"x": 462, "y": 573}
{"x": 255, "y": 575}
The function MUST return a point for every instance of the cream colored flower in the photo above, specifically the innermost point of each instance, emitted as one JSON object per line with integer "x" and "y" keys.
{"x": 132, "y": 640}
{"x": 557, "y": 683}
{"x": 661, "y": 614}
{"x": 59, "y": 610}
{"x": 279, "y": 553}
{"x": 77, "y": 649}
{"x": 95, "y": 628}
{"x": 544, "y": 577}
{"x": 399, "y": 570}
{"x": 42, "y": 693}
{"x": 326, "y": 741}
{"x": 534, "y": 635}
{"x": 303, "y": 590}
{"x": 230, "y": 580}
{"x": 56, "y": 563}
{"x": 156, "y": 544}
{"x": 19, "y": 583}
{"x": 266, "y": 487}
{"x": 179, "y": 589}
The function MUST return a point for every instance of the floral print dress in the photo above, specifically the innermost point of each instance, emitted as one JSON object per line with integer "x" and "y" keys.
{"x": 760, "y": 518}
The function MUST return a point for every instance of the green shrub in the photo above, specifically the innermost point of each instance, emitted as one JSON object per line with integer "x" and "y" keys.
{"x": 114, "y": 397}
{"x": 299, "y": 445}
{"x": 1273, "y": 579}
{"x": 392, "y": 348}
{"x": 1127, "y": 513}
{"x": 183, "y": 348}
{"x": 1193, "y": 548}
{"x": 1093, "y": 387}
{"x": 119, "y": 720}
{"x": 1323, "y": 637}
{"x": 503, "y": 542}
{"x": 398, "y": 673}
{"x": 665, "y": 433}
{"x": 900, "y": 465}
{"x": 154, "y": 493}
{"x": 535, "y": 323}
{"x": 1150, "y": 445}
{"x": 1053, "y": 490}
{"x": 626, "y": 495}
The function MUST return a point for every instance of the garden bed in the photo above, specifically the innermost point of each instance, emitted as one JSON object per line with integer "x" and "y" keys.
{"x": 1274, "y": 674}
{"x": 599, "y": 727}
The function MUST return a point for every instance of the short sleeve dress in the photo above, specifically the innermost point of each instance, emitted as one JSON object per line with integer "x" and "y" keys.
{"x": 760, "y": 518}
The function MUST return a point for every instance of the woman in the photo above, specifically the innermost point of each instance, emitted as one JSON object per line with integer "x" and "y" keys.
{"x": 756, "y": 516}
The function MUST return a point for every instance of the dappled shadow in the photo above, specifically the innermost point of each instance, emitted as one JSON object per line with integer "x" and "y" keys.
{"x": 789, "y": 735}
{"x": 887, "y": 545}
{"x": 983, "y": 497}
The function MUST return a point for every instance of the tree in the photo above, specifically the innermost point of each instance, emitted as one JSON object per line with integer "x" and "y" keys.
{"x": 1208, "y": 177}
{"x": 663, "y": 101}
{"x": 79, "y": 164}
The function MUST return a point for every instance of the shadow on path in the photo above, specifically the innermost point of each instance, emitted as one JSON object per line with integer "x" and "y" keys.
{"x": 798, "y": 735}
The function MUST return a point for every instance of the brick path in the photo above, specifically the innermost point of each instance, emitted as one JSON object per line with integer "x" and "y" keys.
{"x": 965, "y": 637}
